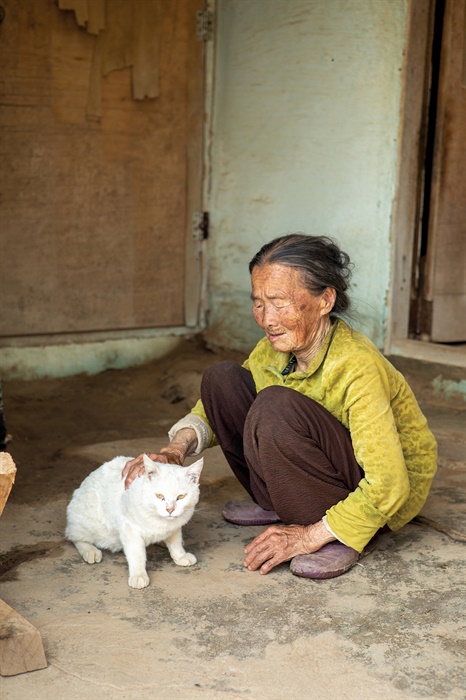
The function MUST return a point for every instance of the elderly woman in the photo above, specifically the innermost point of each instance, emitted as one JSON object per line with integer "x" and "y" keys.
{"x": 321, "y": 430}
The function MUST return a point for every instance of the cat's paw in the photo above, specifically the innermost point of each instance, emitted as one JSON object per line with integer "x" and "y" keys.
{"x": 141, "y": 581}
{"x": 94, "y": 557}
{"x": 187, "y": 559}
{"x": 89, "y": 553}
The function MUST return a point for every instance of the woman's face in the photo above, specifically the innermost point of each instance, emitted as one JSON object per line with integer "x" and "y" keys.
{"x": 288, "y": 313}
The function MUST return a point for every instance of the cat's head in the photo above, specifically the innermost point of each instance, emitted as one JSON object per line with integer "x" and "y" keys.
{"x": 171, "y": 489}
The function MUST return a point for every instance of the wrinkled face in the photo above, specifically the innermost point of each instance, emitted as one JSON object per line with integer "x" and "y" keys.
{"x": 285, "y": 309}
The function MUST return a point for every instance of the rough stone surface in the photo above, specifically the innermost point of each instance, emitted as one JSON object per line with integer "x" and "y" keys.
{"x": 389, "y": 628}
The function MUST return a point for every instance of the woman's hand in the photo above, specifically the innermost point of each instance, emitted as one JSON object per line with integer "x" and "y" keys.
{"x": 135, "y": 467}
{"x": 183, "y": 444}
{"x": 281, "y": 543}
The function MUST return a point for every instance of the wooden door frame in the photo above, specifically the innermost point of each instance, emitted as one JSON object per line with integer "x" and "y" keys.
{"x": 200, "y": 96}
{"x": 199, "y": 177}
{"x": 407, "y": 202}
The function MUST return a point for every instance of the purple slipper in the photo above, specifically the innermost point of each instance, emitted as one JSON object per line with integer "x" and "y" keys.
{"x": 332, "y": 560}
{"x": 248, "y": 513}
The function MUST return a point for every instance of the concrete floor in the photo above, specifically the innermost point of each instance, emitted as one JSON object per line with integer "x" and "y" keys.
{"x": 391, "y": 628}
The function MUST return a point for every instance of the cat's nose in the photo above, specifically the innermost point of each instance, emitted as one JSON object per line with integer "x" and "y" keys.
{"x": 170, "y": 509}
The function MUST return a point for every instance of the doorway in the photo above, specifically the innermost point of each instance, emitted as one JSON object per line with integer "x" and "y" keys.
{"x": 429, "y": 276}
{"x": 438, "y": 306}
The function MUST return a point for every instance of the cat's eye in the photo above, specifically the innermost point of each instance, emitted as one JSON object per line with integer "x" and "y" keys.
{"x": 182, "y": 495}
{"x": 160, "y": 495}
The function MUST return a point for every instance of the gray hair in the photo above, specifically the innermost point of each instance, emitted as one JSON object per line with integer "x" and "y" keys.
{"x": 320, "y": 260}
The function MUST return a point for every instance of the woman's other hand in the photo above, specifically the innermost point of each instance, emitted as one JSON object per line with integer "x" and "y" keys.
{"x": 281, "y": 543}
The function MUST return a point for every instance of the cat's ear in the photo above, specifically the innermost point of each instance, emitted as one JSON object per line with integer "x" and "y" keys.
{"x": 150, "y": 466}
{"x": 194, "y": 470}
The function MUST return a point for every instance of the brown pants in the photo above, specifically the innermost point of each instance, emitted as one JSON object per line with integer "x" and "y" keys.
{"x": 290, "y": 454}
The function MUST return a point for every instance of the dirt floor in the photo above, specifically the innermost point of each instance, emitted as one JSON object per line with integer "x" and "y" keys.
{"x": 390, "y": 628}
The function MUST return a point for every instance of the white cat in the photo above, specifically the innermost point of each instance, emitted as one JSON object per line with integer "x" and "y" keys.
{"x": 154, "y": 508}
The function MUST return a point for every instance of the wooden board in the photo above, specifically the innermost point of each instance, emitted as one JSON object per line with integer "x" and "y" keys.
{"x": 21, "y": 647}
{"x": 94, "y": 213}
{"x": 7, "y": 477}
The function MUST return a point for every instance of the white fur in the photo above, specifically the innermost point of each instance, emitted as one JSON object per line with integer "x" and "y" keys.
{"x": 103, "y": 515}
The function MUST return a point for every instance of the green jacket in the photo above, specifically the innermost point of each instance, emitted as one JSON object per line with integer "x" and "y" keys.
{"x": 391, "y": 440}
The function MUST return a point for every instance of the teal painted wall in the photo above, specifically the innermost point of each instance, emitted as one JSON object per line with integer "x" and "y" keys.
{"x": 67, "y": 359}
{"x": 305, "y": 125}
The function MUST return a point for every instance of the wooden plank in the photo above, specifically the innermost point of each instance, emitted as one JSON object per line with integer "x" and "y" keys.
{"x": 464, "y": 51}
{"x": 117, "y": 40}
{"x": 147, "y": 23}
{"x": 96, "y": 9}
{"x": 453, "y": 355}
{"x": 7, "y": 477}
{"x": 21, "y": 647}
{"x": 94, "y": 94}
{"x": 80, "y": 8}
{"x": 449, "y": 317}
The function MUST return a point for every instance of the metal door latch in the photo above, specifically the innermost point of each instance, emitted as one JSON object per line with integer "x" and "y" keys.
{"x": 200, "y": 225}
{"x": 204, "y": 25}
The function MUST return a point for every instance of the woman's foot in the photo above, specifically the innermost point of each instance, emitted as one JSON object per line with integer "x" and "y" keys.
{"x": 248, "y": 513}
{"x": 332, "y": 560}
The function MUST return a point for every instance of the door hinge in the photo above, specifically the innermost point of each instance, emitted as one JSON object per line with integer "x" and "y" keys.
{"x": 200, "y": 225}
{"x": 204, "y": 25}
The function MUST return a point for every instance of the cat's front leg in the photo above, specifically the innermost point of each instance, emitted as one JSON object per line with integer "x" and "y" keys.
{"x": 135, "y": 552}
{"x": 177, "y": 552}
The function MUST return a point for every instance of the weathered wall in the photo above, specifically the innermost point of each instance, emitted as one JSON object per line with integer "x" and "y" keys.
{"x": 307, "y": 100}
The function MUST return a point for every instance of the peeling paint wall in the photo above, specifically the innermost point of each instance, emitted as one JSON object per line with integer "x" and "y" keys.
{"x": 306, "y": 113}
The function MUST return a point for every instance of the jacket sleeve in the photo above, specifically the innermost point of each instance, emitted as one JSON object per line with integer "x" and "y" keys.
{"x": 384, "y": 487}
{"x": 199, "y": 411}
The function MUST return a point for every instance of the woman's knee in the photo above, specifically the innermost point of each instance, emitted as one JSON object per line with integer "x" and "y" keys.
{"x": 278, "y": 406}
{"x": 224, "y": 371}
{"x": 275, "y": 399}
{"x": 224, "y": 377}
{"x": 270, "y": 408}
